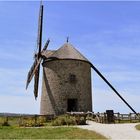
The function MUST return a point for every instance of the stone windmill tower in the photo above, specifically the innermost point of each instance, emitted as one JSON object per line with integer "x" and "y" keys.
{"x": 66, "y": 84}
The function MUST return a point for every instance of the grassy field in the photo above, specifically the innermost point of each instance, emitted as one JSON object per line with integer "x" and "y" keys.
{"x": 47, "y": 133}
{"x": 138, "y": 127}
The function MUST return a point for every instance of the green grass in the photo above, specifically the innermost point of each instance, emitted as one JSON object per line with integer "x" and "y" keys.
{"x": 47, "y": 133}
{"x": 137, "y": 127}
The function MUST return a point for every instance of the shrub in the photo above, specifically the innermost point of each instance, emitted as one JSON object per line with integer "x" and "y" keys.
{"x": 31, "y": 122}
{"x": 71, "y": 121}
{"x": 68, "y": 120}
{"x": 82, "y": 121}
{"x": 5, "y": 123}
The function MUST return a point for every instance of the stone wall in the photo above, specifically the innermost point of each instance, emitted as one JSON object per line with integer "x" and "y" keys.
{"x": 57, "y": 86}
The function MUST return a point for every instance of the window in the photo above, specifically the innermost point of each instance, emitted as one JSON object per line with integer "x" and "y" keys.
{"x": 72, "y": 78}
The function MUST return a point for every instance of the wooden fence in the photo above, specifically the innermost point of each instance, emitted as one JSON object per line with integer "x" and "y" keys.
{"x": 117, "y": 117}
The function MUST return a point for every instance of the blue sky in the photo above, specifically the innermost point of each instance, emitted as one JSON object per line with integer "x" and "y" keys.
{"x": 107, "y": 33}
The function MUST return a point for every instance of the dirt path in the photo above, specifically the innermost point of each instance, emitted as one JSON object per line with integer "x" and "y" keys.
{"x": 115, "y": 131}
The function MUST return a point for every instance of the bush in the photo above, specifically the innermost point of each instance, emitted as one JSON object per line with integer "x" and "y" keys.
{"x": 31, "y": 122}
{"x": 5, "y": 123}
{"x": 82, "y": 121}
{"x": 71, "y": 121}
{"x": 68, "y": 120}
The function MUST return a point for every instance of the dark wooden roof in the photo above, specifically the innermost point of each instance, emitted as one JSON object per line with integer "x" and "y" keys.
{"x": 67, "y": 51}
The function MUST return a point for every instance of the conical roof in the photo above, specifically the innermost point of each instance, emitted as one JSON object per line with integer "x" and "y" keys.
{"x": 67, "y": 51}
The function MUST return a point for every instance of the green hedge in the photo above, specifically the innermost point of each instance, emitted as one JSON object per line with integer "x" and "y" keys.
{"x": 68, "y": 120}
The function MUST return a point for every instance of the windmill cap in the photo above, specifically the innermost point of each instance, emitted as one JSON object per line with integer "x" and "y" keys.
{"x": 66, "y": 51}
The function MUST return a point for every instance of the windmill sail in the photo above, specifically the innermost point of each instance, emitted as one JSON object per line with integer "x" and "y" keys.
{"x": 36, "y": 65}
{"x": 46, "y": 45}
{"x": 37, "y": 70}
{"x": 40, "y": 25}
{"x": 32, "y": 71}
{"x": 36, "y": 82}
{"x": 106, "y": 81}
{"x": 39, "y": 44}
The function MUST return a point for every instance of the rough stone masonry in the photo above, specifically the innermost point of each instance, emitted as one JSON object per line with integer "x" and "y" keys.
{"x": 66, "y": 83}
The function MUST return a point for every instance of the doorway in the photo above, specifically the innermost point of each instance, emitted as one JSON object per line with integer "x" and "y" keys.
{"x": 72, "y": 105}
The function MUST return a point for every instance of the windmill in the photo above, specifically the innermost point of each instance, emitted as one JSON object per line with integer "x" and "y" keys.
{"x": 63, "y": 55}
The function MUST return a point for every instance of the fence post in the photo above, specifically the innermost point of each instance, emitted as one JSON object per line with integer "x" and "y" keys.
{"x": 20, "y": 121}
{"x": 130, "y": 117}
{"x": 35, "y": 117}
{"x": 118, "y": 116}
{"x": 122, "y": 116}
{"x": 105, "y": 119}
{"x": 7, "y": 119}
{"x": 135, "y": 117}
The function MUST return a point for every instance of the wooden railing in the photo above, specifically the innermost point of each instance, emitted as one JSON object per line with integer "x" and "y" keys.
{"x": 118, "y": 118}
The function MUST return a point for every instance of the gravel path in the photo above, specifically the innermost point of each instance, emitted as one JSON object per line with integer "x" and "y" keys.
{"x": 114, "y": 131}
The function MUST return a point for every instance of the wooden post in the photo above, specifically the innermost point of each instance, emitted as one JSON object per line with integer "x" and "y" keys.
{"x": 7, "y": 119}
{"x": 35, "y": 117}
{"x": 139, "y": 116}
{"x": 105, "y": 119}
{"x": 135, "y": 117}
{"x": 118, "y": 116}
{"x": 46, "y": 119}
{"x": 85, "y": 117}
{"x": 5, "y": 122}
{"x": 20, "y": 120}
{"x": 130, "y": 117}
{"x": 122, "y": 116}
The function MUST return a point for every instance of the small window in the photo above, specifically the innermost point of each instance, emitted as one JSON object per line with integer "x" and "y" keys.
{"x": 72, "y": 78}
